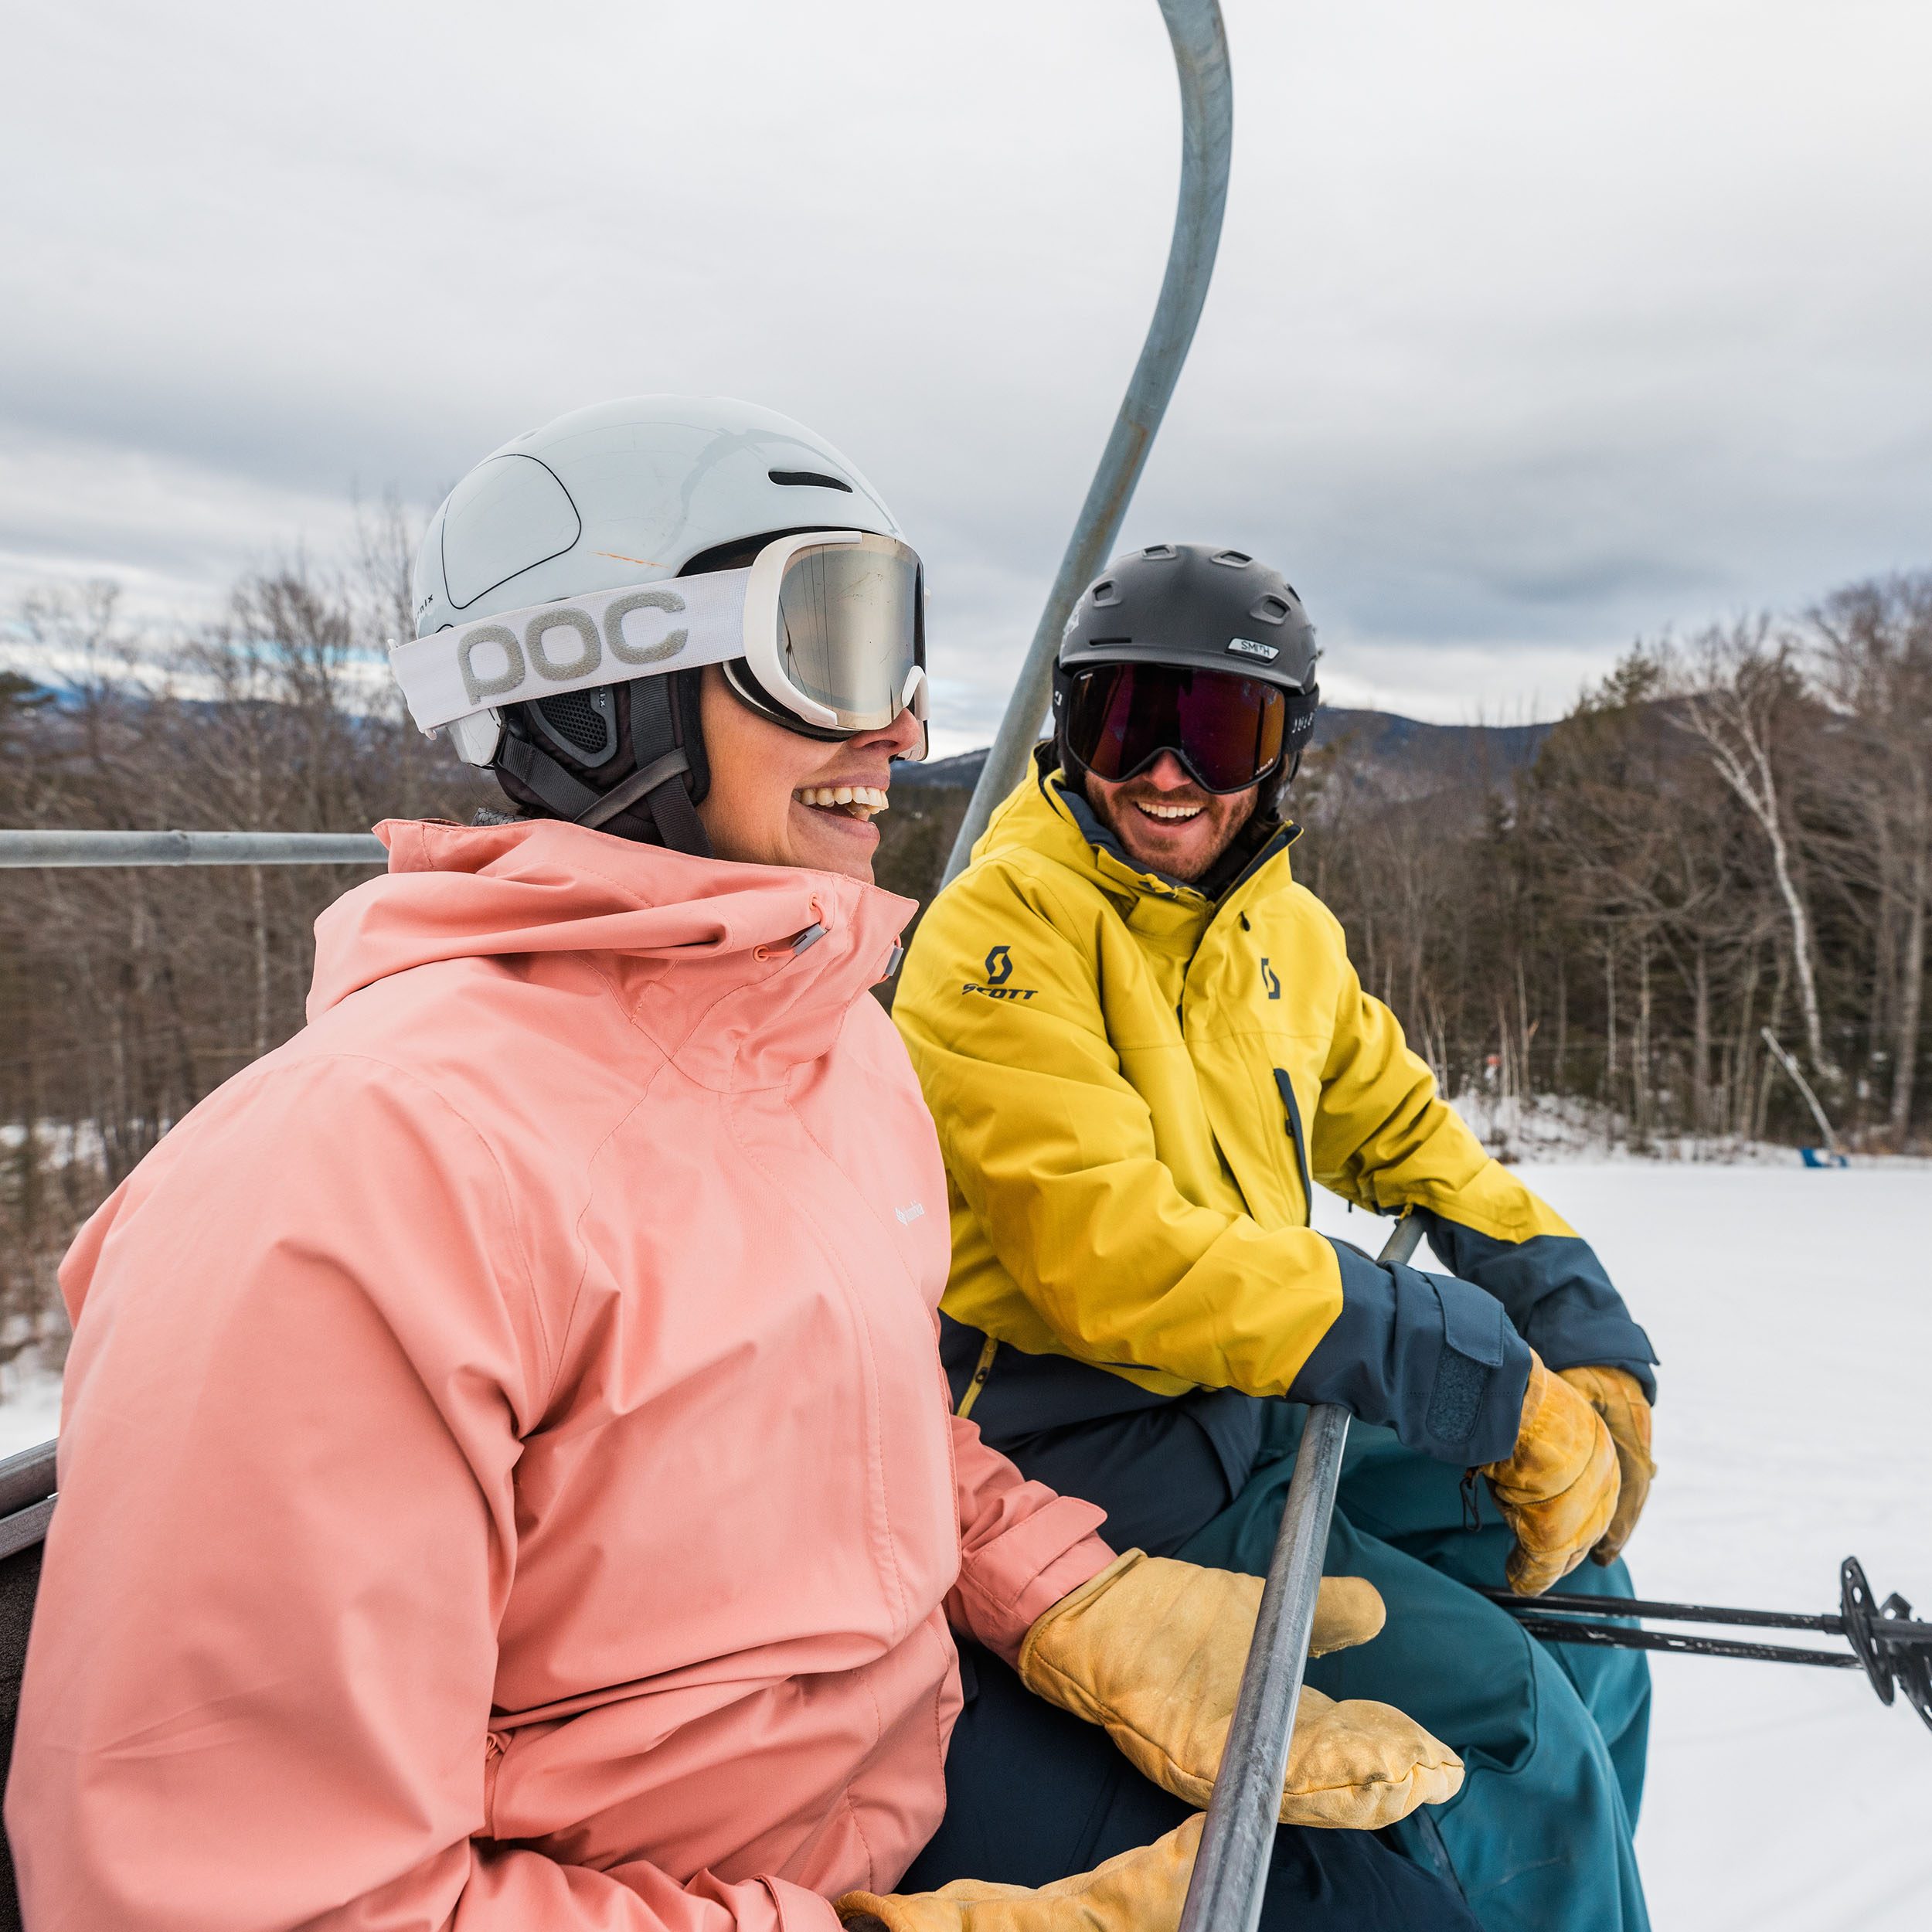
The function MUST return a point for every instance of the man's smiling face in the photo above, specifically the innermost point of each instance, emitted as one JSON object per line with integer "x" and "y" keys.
{"x": 1166, "y": 821}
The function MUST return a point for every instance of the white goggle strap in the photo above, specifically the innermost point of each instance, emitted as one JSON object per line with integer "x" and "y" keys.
{"x": 517, "y": 657}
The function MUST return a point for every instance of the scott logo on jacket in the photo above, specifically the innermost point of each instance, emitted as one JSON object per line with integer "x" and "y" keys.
{"x": 999, "y": 970}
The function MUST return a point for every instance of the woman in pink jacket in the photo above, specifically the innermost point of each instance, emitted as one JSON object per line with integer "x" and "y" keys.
{"x": 506, "y": 1478}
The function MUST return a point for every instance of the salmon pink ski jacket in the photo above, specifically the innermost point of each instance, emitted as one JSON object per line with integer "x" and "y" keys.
{"x": 506, "y": 1480}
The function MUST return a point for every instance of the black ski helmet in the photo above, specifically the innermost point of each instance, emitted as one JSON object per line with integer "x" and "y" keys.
{"x": 1203, "y": 605}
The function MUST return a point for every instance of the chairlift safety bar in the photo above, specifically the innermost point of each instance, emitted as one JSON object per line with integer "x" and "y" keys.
{"x": 1231, "y": 1869}
{"x": 22, "y": 850}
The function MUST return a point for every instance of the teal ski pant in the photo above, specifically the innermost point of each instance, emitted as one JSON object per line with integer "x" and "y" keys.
{"x": 1540, "y": 1838}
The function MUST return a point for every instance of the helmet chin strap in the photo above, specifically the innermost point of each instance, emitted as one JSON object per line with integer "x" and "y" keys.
{"x": 657, "y": 781}
{"x": 535, "y": 769}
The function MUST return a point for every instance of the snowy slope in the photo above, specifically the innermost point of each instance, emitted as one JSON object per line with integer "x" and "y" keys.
{"x": 1793, "y": 1311}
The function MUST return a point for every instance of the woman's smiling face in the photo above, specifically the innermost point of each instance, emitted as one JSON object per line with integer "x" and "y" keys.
{"x": 773, "y": 798}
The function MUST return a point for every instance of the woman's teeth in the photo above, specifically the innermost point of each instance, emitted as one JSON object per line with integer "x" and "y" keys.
{"x": 1169, "y": 813}
{"x": 856, "y": 802}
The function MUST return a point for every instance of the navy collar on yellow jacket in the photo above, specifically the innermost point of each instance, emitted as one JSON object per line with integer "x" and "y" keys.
{"x": 1255, "y": 846}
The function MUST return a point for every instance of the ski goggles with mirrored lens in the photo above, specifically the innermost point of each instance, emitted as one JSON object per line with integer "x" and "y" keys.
{"x": 830, "y": 625}
{"x": 1229, "y": 732}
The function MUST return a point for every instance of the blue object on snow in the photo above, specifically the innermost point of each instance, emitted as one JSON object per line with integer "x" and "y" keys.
{"x": 1823, "y": 1157}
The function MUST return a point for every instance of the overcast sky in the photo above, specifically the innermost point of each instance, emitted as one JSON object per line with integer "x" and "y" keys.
{"x": 1535, "y": 326}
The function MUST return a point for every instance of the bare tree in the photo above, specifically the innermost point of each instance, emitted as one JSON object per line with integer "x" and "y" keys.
{"x": 1736, "y": 693}
{"x": 124, "y": 996}
{"x": 1874, "y": 656}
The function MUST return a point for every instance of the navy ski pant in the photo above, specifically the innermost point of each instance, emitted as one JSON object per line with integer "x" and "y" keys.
{"x": 1033, "y": 1793}
{"x": 1540, "y": 1838}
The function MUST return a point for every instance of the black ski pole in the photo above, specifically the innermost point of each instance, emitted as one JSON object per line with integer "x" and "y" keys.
{"x": 1887, "y": 1642}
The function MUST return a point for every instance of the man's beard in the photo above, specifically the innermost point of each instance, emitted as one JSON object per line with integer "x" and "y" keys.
{"x": 1112, "y": 813}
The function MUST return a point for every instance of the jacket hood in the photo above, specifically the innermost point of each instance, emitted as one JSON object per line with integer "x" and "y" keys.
{"x": 540, "y": 885}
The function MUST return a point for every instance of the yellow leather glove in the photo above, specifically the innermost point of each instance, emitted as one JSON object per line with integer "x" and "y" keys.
{"x": 1152, "y": 1651}
{"x": 1557, "y": 1489}
{"x": 1141, "y": 1891}
{"x": 1618, "y": 1397}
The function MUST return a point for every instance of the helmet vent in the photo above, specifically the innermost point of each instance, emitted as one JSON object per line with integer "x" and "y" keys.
{"x": 1161, "y": 552}
{"x": 809, "y": 479}
{"x": 577, "y": 718}
{"x": 1234, "y": 559}
{"x": 1270, "y": 610}
{"x": 1105, "y": 592}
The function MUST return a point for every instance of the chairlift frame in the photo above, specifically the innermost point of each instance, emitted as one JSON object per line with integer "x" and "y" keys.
{"x": 1230, "y": 1878}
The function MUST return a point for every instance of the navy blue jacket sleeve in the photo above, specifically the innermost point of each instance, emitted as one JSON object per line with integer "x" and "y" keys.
{"x": 1430, "y": 1357}
{"x": 1557, "y": 1292}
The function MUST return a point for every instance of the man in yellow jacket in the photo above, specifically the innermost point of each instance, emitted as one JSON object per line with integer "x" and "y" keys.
{"x": 1144, "y": 1043}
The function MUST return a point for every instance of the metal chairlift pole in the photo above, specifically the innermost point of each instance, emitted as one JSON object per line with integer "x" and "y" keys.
{"x": 1207, "y": 135}
{"x": 1230, "y": 1872}
{"x": 1231, "y": 1869}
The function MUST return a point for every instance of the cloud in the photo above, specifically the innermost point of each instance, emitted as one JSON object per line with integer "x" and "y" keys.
{"x": 1533, "y": 328}
{"x": 173, "y": 531}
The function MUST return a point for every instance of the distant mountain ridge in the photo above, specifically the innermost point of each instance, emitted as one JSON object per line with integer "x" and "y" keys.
{"x": 1398, "y": 757}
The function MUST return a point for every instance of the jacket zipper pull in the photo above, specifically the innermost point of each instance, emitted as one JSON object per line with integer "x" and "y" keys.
{"x": 982, "y": 1371}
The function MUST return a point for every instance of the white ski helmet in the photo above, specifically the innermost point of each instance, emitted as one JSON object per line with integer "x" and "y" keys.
{"x": 533, "y": 614}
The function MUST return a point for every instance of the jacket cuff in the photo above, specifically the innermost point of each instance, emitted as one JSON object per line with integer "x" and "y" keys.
{"x": 1430, "y": 1357}
{"x": 1006, "y": 1586}
{"x": 801, "y": 1910}
{"x": 1556, "y": 1292}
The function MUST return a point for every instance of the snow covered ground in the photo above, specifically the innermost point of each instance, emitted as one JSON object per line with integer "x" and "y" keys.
{"x": 1793, "y": 1311}
{"x": 30, "y": 1405}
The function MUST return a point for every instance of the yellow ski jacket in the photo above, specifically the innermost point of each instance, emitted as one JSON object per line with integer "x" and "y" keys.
{"x": 1135, "y": 1085}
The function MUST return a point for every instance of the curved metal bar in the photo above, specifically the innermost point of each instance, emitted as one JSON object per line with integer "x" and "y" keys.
{"x": 1207, "y": 136}
{"x": 19, "y": 849}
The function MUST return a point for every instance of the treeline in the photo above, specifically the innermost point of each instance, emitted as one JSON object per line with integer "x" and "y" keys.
{"x": 1730, "y": 834}
{"x": 126, "y": 994}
